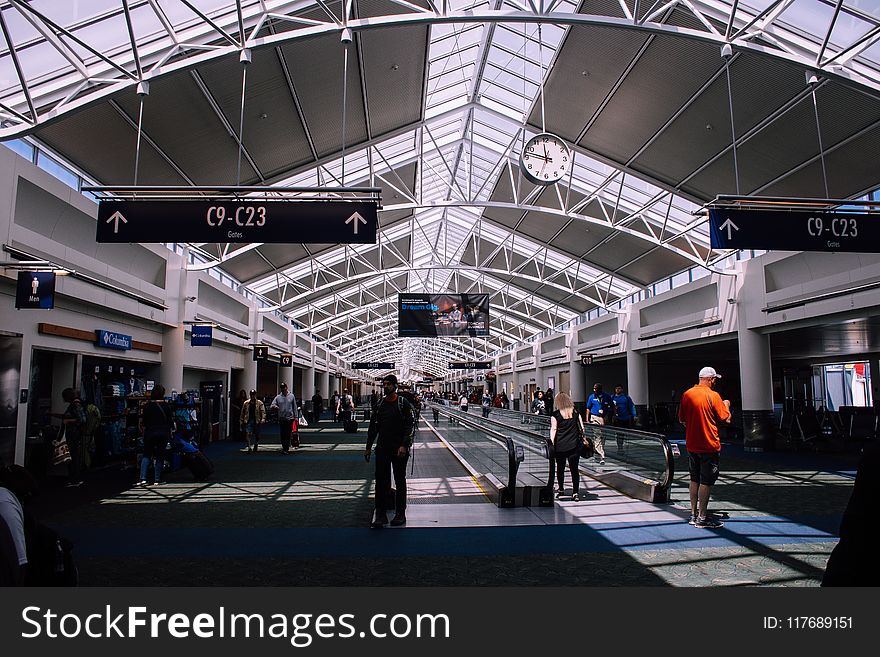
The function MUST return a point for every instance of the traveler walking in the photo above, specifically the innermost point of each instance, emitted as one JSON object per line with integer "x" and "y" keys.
{"x": 486, "y": 403}
{"x": 73, "y": 420}
{"x": 600, "y": 409}
{"x": 285, "y": 404}
{"x": 345, "y": 406}
{"x": 539, "y": 406}
{"x": 157, "y": 421}
{"x": 566, "y": 428}
{"x": 317, "y": 407}
{"x": 391, "y": 427}
{"x": 701, "y": 412}
{"x": 253, "y": 414}
{"x": 624, "y": 412}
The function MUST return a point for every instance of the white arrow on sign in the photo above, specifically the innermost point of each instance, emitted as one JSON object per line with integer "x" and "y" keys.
{"x": 115, "y": 217}
{"x": 356, "y": 217}
{"x": 729, "y": 225}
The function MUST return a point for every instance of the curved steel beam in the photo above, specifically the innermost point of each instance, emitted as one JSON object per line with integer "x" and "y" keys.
{"x": 842, "y": 74}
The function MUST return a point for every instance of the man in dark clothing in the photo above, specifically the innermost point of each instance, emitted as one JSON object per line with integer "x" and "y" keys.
{"x": 317, "y": 407}
{"x": 391, "y": 427}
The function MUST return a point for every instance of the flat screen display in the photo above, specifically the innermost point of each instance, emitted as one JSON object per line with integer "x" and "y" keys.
{"x": 442, "y": 315}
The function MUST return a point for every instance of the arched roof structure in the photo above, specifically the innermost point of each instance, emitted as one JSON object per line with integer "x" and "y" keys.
{"x": 432, "y": 101}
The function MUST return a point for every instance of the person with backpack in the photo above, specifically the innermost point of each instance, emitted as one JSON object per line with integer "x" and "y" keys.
{"x": 391, "y": 428}
{"x": 624, "y": 412}
{"x": 157, "y": 421}
{"x": 344, "y": 407}
{"x": 600, "y": 409}
{"x": 486, "y": 403}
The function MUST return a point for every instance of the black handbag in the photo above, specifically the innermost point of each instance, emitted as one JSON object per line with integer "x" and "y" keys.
{"x": 587, "y": 448}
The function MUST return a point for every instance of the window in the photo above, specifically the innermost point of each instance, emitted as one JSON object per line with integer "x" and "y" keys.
{"x": 22, "y": 148}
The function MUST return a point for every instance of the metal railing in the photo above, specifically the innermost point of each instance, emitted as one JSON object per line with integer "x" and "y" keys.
{"x": 515, "y": 462}
{"x": 638, "y": 463}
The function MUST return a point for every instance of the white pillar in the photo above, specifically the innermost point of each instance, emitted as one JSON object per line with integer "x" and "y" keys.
{"x": 249, "y": 375}
{"x": 756, "y": 379}
{"x": 636, "y": 361}
{"x": 324, "y": 387}
{"x": 308, "y": 383}
{"x": 171, "y": 370}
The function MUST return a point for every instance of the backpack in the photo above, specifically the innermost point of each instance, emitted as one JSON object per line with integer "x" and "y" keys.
{"x": 607, "y": 406}
{"x": 346, "y": 402}
{"x": 93, "y": 419}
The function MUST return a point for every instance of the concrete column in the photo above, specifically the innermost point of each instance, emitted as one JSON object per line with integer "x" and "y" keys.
{"x": 324, "y": 378}
{"x": 249, "y": 375}
{"x": 636, "y": 366}
{"x": 286, "y": 375}
{"x": 171, "y": 370}
{"x": 756, "y": 381}
{"x": 308, "y": 384}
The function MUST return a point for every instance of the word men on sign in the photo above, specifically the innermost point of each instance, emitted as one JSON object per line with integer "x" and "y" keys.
{"x": 794, "y": 230}
{"x": 242, "y": 220}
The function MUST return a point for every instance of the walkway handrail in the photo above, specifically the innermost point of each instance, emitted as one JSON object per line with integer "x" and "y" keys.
{"x": 507, "y": 442}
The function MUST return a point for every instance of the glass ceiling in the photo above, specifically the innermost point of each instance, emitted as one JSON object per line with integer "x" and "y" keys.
{"x": 483, "y": 78}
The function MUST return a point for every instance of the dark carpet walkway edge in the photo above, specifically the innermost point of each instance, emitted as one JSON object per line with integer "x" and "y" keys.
{"x": 458, "y": 541}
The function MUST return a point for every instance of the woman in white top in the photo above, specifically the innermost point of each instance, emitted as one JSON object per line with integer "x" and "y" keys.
{"x": 463, "y": 402}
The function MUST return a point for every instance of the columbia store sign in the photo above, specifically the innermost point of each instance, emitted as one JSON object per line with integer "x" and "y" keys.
{"x": 110, "y": 340}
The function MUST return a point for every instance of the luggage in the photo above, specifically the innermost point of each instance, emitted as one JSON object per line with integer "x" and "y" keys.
{"x": 350, "y": 426}
{"x": 200, "y": 465}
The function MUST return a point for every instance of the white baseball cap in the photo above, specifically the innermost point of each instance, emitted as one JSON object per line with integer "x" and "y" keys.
{"x": 709, "y": 373}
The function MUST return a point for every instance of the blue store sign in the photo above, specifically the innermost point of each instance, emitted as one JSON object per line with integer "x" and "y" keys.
{"x": 110, "y": 340}
{"x": 202, "y": 335}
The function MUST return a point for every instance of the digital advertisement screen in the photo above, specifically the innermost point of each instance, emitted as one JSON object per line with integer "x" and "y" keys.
{"x": 442, "y": 315}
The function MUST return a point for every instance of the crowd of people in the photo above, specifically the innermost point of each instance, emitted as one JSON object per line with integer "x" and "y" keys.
{"x": 390, "y": 436}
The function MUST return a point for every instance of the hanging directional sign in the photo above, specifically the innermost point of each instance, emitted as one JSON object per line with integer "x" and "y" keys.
{"x": 202, "y": 335}
{"x": 470, "y": 365}
{"x": 261, "y": 352}
{"x": 285, "y": 360}
{"x": 794, "y": 230}
{"x": 238, "y": 221}
{"x": 373, "y": 366}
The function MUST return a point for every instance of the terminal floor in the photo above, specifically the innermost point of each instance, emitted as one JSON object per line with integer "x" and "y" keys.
{"x": 266, "y": 519}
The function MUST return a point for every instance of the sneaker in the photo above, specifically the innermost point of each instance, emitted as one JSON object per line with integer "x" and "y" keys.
{"x": 398, "y": 520}
{"x": 142, "y": 482}
{"x": 285, "y": 452}
{"x": 708, "y": 523}
{"x": 692, "y": 520}
{"x": 73, "y": 484}
{"x": 159, "y": 483}
{"x": 245, "y": 450}
{"x": 601, "y": 461}
{"x": 575, "y": 497}
{"x": 558, "y": 494}
{"x": 380, "y": 521}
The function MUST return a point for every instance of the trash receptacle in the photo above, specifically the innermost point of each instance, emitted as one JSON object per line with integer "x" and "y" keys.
{"x": 516, "y": 404}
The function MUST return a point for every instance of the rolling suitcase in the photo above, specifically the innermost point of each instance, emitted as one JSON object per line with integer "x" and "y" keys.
{"x": 200, "y": 465}
{"x": 350, "y": 426}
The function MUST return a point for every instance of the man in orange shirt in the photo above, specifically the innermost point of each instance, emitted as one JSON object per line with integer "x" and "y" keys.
{"x": 701, "y": 411}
